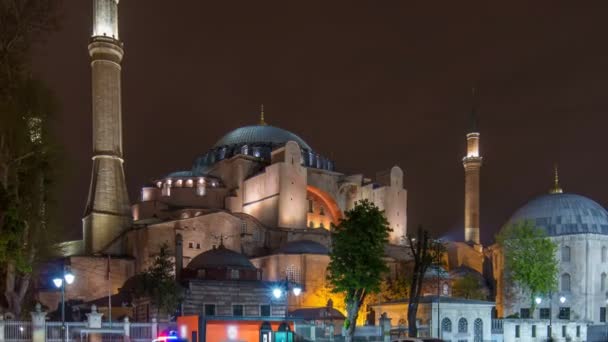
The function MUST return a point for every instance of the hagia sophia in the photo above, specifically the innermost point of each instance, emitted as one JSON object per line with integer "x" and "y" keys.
{"x": 269, "y": 198}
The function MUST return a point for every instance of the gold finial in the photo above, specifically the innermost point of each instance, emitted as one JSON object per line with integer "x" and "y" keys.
{"x": 556, "y": 188}
{"x": 262, "y": 121}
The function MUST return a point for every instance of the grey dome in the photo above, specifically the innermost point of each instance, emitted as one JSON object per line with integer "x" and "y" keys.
{"x": 303, "y": 247}
{"x": 220, "y": 257}
{"x": 260, "y": 134}
{"x": 564, "y": 214}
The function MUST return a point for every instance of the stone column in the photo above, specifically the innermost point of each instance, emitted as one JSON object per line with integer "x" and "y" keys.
{"x": 385, "y": 327}
{"x": 38, "y": 325}
{"x": 127, "y": 327}
{"x": 1, "y": 327}
{"x": 154, "y": 327}
{"x": 94, "y": 322}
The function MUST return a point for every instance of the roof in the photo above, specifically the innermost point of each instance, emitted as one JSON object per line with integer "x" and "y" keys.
{"x": 303, "y": 247}
{"x": 220, "y": 257}
{"x": 260, "y": 134}
{"x": 442, "y": 299}
{"x": 317, "y": 313}
{"x": 563, "y": 214}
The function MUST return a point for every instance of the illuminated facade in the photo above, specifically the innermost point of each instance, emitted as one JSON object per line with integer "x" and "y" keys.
{"x": 265, "y": 192}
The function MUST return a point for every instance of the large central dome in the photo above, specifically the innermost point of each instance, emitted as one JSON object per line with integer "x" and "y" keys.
{"x": 564, "y": 214}
{"x": 260, "y": 134}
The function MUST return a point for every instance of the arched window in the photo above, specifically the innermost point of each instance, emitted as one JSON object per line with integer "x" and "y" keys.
{"x": 604, "y": 251}
{"x": 446, "y": 325}
{"x": 478, "y": 330}
{"x": 603, "y": 282}
{"x": 565, "y": 282}
{"x": 565, "y": 254}
{"x": 463, "y": 325}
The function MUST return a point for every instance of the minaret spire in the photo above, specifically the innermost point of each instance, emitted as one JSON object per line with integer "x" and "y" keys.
{"x": 262, "y": 121}
{"x": 107, "y": 212}
{"x": 556, "y": 187}
{"x": 472, "y": 166}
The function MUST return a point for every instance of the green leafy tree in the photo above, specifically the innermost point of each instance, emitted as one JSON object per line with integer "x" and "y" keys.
{"x": 356, "y": 264}
{"x": 426, "y": 252}
{"x": 468, "y": 287}
{"x": 529, "y": 259}
{"x": 26, "y": 152}
{"x": 158, "y": 284}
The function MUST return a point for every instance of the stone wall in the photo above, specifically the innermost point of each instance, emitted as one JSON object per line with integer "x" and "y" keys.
{"x": 225, "y": 294}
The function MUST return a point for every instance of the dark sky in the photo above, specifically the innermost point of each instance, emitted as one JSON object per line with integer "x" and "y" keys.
{"x": 370, "y": 84}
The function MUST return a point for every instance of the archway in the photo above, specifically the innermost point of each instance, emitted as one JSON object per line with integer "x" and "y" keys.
{"x": 322, "y": 209}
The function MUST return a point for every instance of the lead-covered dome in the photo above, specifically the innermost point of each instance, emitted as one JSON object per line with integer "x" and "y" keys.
{"x": 220, "y": 257}
{"x": 564, "y": 214}
{"x": 260, "y": 134}
{"x": 258, "y": 142}
{"x": 303, "y": 247}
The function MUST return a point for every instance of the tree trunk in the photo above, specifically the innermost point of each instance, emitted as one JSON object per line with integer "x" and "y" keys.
{"x": 412, "y": 328}
{"x": 352, "y": 313}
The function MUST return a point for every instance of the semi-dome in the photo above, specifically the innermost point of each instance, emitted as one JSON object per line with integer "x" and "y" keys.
{"x": 563, "y": 214}
{"x": 303, "y": 247}
{"x": 220, "y": 257}
{"x": 260, "y": 134}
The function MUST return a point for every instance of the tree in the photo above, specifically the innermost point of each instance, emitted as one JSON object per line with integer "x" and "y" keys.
{"x": 426, "y": 252}
{"x": 468, "y": 287}
{"x": 529, "y": 259}
{"x": 25, "y": 153}
{"x": 356, "y": 262}
{"x": 158, "y": 284}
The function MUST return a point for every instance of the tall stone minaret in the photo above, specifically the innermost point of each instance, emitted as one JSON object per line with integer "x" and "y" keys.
{"x": 107, "y": 213}
{"x": 472, "y": 166}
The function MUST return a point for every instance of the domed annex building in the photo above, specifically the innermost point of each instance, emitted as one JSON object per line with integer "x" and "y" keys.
{"x": 579, "y": 227}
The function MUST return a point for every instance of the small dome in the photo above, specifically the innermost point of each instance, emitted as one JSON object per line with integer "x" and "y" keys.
{"x": 260, "y": 134}
{"x": 564, "y": 214}
{"x": 303, "y": 247}
{"x": 220, "y": 257}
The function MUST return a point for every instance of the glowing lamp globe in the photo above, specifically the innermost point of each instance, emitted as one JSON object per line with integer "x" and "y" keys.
{"x": 562, "y": 299}
{"x": 297, "y": 291}
{"x": 69, "y": 278}
{"x": 538, "y": 300}
{"x": 277, "y": 292}
{"x": 58, "y": 282}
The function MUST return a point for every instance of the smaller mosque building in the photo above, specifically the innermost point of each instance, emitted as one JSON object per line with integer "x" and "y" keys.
{"x": 579, "y": 227}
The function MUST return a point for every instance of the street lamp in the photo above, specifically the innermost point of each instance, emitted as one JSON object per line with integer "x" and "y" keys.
{"x": 66, "y": 277}
{"x": 284, "y": 287}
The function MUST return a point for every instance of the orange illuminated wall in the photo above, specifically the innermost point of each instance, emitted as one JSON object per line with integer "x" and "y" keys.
{"x": 233, "y": 331}
{"x": 186, "y": 325}
{"x": 324, "y": 209}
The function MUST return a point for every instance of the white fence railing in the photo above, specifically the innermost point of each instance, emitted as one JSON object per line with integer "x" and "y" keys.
{"x": 72, "y": 331}
{"x": 17, "y": 331}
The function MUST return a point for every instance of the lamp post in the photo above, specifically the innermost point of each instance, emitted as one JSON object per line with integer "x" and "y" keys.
{"x": 285, "y": 287}
{"x": 562, "y": 300}
{"x": 66, "y": 277}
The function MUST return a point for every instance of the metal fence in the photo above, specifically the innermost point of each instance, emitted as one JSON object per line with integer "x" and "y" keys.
{"x": 497, "y": 326}
{"x": 140, "y": 332}
{"x": 17, "y": 331}
{"x": 72, "y": 331}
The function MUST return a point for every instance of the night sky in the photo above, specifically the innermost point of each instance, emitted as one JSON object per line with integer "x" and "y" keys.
{"x": 369, "y": 84}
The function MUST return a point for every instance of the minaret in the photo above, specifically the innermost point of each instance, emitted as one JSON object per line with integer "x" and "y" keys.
{"x": 107, "y": 213}
{"x": 472, "y": 166}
